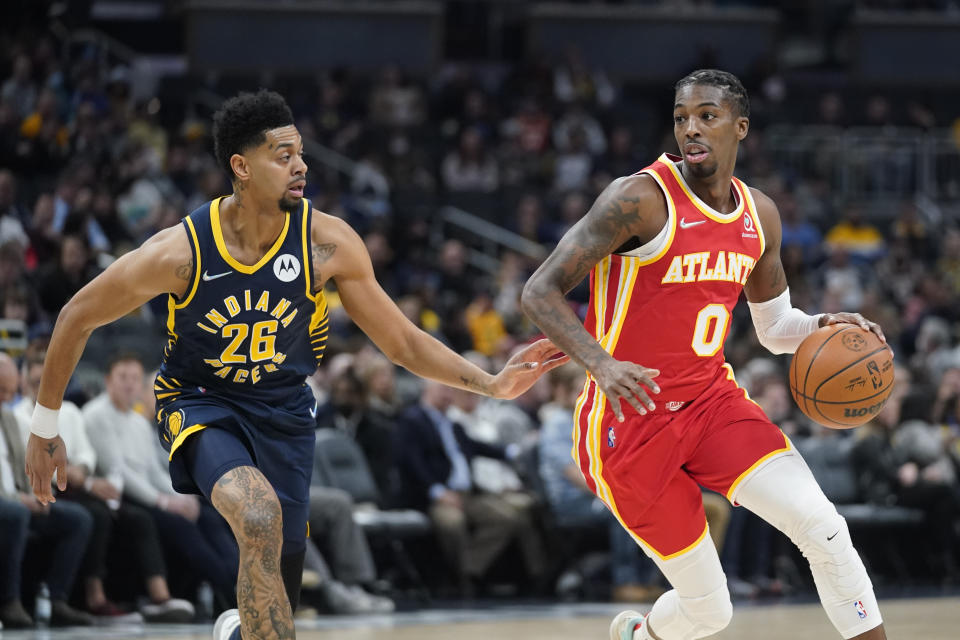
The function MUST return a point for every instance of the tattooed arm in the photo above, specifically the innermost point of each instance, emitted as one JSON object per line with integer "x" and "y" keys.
{"x": 631, "y": 207}
{"x": 163, "y": 264}
{"x": 344, "y": 259}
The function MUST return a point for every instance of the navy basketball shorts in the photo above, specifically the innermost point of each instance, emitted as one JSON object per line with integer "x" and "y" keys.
{"x": 208, "y": 436}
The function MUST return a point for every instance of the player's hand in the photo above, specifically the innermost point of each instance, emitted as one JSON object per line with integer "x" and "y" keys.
{"x": 44, "y": 456}
{"x": 852, "y": 318}
{"x": 627, "y": 381}
{"x": 525, "y": 368}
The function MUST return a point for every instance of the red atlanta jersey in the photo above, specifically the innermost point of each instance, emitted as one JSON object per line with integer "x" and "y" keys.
{"x": 667, "y": 304}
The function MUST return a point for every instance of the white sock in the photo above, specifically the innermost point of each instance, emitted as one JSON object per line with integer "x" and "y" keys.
{"x": 642, "y": 633}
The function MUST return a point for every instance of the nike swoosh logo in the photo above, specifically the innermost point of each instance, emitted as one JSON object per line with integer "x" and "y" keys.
{"x": 686, "y": 225}
{"x": 833, "y": 536}
{"x": 207, "y": 277}
{"x": 313, "y": 412}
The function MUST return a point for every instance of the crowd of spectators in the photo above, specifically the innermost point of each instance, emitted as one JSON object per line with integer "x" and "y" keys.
{"x": 89, "y": 169}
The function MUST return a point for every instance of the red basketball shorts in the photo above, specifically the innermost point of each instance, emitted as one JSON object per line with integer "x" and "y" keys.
{"x": 649, "y": 469}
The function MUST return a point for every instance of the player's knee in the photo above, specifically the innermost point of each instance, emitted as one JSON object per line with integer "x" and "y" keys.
{"x": 710, "y": 613}
{"x": 825, "y": 542}
{"x": 261, "y": 522}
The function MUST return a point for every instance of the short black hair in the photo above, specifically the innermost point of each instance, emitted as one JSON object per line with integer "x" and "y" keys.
{"x": 242, "y": 122}
{"x": 729, "y": 83}
{"x": 121, "y": 357}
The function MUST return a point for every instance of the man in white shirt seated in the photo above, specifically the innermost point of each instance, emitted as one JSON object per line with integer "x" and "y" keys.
{"x": 62, "y": 529}
{"x": 191, "y": 533}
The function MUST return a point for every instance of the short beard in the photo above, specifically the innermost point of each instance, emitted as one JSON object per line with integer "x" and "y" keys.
{"x": 700, "y": 171}
{"x": 291, "y": 206}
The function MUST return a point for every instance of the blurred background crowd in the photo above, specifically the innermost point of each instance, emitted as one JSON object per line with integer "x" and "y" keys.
{"x": 460, "y": 178}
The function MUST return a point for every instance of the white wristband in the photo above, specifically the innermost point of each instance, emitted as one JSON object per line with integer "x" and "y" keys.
{"x": 44, "y": 423}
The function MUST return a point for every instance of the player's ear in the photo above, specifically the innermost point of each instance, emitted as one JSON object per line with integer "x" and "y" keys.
{"x": 743, "y": 126}
{"x": 240, "y": 166}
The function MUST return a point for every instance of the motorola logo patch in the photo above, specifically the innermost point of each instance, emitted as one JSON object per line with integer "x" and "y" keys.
{"x": 286, "y": 267}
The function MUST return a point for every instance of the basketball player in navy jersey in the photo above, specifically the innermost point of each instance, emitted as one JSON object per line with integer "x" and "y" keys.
{"x": 247, "y": 322}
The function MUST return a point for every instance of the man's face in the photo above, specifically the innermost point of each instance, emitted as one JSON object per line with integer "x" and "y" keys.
{"x": 31, "y": 382}
{"x": 124, "y": 383}
{"x": 276, "y": 169}
{"x": 707, "y": 128}
{"x": 9, "y": 383}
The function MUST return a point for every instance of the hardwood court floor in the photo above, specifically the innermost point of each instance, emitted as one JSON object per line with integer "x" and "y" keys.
{"x": 907, "y": 619}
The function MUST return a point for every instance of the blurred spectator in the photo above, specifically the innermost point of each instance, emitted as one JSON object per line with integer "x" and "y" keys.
{"x": 577, "y": 121}
{"x": 11, "y": 215}
{"x": 99, "y": 496}
{"x": 19, "y": 89}
{"x": 63, "y": 528}
{"x": 854, "y": 235}
{"x": 473, "y": 528}
{"x": 344, "y": 547}
{"x": 346, "y": 411}
{"x": 485, "y": 324}
{"x": 573, "y": 165}
{"x": 797, "y": 230}
{"x": 59, "y": 282}
{"x": 901, "y": 460}
{"x": 189, "y": 529}
{"x": 574, "y": 81}
{"x": 471, "y": 167}
{"x": 395, "y": 101}
{"x": 621, "y": 157}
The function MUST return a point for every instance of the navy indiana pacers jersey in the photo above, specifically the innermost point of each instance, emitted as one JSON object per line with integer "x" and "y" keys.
{"x": 245, "y": 332}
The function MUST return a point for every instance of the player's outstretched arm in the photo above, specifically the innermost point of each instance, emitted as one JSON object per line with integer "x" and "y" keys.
{"x": 629, "y": 207}
{"x": 339, "y": 253}
{"x": 781, "y": 327}
{"x": 164, "y": 264}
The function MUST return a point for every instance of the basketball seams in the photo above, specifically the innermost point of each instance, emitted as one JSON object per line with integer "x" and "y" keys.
{"x": 813, "y": 358}
{"x": 855, "y": 362}
{"x": 805, "y": 400}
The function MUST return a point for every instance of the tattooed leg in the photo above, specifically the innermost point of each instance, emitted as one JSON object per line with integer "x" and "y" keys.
{"x": 249, "y": 504}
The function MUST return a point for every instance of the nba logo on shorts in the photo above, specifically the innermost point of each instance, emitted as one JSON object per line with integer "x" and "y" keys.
{"x": 858, "y": 605}
{"x": 611, "y": 437}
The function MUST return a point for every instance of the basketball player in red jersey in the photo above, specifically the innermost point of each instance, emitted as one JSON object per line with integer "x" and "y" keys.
{"x": 668, "y": 251}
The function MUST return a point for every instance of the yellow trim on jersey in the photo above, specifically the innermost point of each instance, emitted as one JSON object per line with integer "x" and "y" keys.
{"x": 732, "y": 377}
{"x": 197, "y": 269}
{"x": 725, "y": 218}
{"x": 307, "y": 259}
{"x": 222, "y": 246}
{"x": 624, "y": 294}
{"x": 183, "y": 436}
{"x": 753, "y": 467}
{"x": 602, "y": 276}
{"x": 671, "y": 220}
{"x": 171, "y": 319}
{"x": 577, "y": 411}
{"x": 753, "y": 213}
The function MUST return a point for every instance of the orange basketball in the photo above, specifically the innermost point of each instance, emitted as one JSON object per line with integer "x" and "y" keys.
{"x": 841, "y": 375}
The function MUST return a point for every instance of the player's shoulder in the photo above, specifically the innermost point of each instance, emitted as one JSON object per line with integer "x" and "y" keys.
{"x": 766, "y": 209}
{"x": 327, "y": 229}
{"x": 637, "y": 185}
{"x": 172, "y": 242}
{"x": 762, "y": 200}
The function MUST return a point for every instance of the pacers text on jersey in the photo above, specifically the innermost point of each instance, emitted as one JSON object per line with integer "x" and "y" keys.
{"x": 262, "y": 334}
